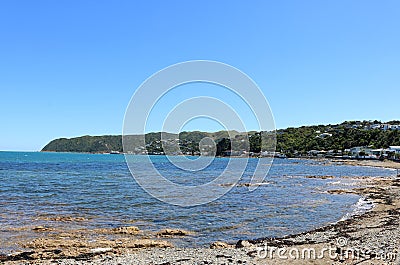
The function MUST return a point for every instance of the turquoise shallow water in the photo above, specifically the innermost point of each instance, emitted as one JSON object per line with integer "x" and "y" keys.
{"x": 100, "y": 188}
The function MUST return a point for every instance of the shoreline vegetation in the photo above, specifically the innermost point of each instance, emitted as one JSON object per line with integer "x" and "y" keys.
{"x": 369, "y": 238}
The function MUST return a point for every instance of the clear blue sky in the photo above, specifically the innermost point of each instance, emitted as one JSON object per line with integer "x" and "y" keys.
{"x": 69, "y": 68}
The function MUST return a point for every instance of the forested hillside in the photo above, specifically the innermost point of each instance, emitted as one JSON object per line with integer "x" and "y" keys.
{"x": 289, "y": 141}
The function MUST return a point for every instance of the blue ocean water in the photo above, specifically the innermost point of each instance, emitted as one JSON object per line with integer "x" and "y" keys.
{"x": 99, "y": 187}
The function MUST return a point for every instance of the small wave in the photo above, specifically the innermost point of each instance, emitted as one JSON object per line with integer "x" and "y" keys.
{"x": 363, "y": 205}
{"x": 344, "y": 183}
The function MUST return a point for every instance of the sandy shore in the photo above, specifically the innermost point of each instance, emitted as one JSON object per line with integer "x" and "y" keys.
{"x": 371, "y": 163}
{"x": 371, "y": 238}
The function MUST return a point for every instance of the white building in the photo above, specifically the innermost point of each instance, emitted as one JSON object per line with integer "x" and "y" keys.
{"x": 324, "y": 135}
{"x": 318, "y": 153}
{"x": 355, "y": 151}
{"x": 377, "y": 152}
{"x": 395, "y": 149}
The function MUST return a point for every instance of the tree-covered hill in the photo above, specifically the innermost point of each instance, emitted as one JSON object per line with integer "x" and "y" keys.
{"x": 308, "y": 138}
{"x": 289, "y": 141}
{"x": 87, "y": 144}
{"x": 187, "y": 143}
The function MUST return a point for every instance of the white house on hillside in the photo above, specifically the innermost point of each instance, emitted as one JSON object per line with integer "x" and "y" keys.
{"x": 324, "y": 135}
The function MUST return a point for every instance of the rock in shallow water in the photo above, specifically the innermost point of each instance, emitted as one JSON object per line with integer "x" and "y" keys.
{"x": 173, "y": 232}
{"x": 130, "y": 230}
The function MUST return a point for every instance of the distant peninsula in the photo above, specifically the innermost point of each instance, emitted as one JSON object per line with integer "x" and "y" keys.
{"x": 292, "y": 142}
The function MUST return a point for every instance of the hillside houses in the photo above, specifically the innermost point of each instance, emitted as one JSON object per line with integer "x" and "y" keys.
{"x": 370, "y": 153}
{"x": 383, "y": 127}
{"x": 368, "y": 125}
{"x": 358, "y": 125}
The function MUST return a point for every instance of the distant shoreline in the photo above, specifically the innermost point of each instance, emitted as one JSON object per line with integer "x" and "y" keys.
{"x": 390, "y": 164}
{"x": 372, "y": 163}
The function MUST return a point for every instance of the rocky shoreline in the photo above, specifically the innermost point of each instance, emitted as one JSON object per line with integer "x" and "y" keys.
{"x": 370, "y": 238}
